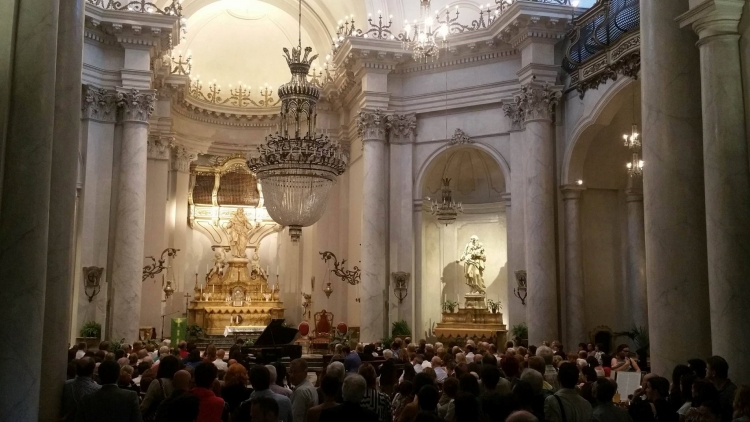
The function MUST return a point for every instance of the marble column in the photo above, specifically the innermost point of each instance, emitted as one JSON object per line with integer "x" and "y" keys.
{"x": 537, "y": 103}
{"x": 515, "y": 214}
{"x": 28, "y": 41}
{"x": 135, "y": 108}
{"x": 179, "y": 186}
{"x": 63, "y": 181}
{"x": 727, "y": 178}
{"x": 372, "y": 128}
{"x": 575, "y": 315}
{"x": 636, "y": 254}
{"x": 673, "y": 189}
{"x": 402, "y": 134}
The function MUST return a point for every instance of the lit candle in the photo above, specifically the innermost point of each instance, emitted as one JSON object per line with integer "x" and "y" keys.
{"x": 213, "y": 288}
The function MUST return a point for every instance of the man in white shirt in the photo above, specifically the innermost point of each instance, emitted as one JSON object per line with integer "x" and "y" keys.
{"x": 219, "y": 362}
{"x": 81, "y": 352}
{"x": 437, "y": 366}
{"x": 418, "y": 364}
{"x": 305, "y": 395}
{"x": 469, "y": 353}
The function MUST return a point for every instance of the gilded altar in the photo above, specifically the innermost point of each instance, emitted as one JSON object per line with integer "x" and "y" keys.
{"x": 237, "y": 296}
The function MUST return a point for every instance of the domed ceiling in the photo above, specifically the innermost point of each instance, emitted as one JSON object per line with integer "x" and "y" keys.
{"x": 236, "y": 41}
{"x": 475, "y": 176}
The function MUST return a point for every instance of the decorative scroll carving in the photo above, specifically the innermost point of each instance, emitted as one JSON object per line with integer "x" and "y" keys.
{"x": 538, "y": 102}
{"x": 460, "y": 138}
{"x": 402, "y": 128}
{"x": 98, "y": 104}
{"x": 135, "y": 106}
{"x": 371, "y": 125}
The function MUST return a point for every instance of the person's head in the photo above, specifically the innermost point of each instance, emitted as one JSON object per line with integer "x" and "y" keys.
{"x": 467, "y": 406}
{"x": 590, "y": 347}
{"x": 236, "y": 375}
{"x": 534, "y": 379}
{"x": 85, "y": 367}
{"x": 205, "y": 374}
{"x": 589, "y": 373}
{"x": 163, "y": 351}
{"x": 421, "y": 380}
{"x": 167, "y": 367}
{"x": 686, "y": 387}
{"x": 182, "y": 345}
{"x": 698, "y": 366}
{"x": 387, "y": 354}
{"x": 592, "y": 362}
{"x": 354, "y": 388}
{"x": 330, "y": 387}
{"x": 489, "y": 359}
{"x": 436, "y": 362}
{"x": 260, "y": 378}
{"x": 194, "y": 356}
{"x": 567, "y": 374}
{"x": 346, "y": 350}
{"x": 460, "y": 358}
{"x": 142, "y": 367}
{"x": 450, "y": 387}
{"x": 220, "y": 353}
{"x": 109, "y": 372}
{"x": 741, "y": 403}
{"x": 604, "y": 390}
{"x": 272, "y": 371}
{"x": 521, "y": 416}
{"x": 367, "y": 371}
{"x": 297, "y": 371}
{"x": 428, "y": 397}
{"x": 82, "y": 346}
{"x": 126, "y": 374}
{"x": 657, "y": 388}
{"x": 717, "y": 368}
{"x": 281, "y": 374}
{"x": 545, "y": 353}
{"x": 104, "y": 346}
{"x": 623, "y": 351}
{"x": 409, "y": 373}
{"x": 468, "y": 383}
{"x": 490, "y": 376}
{"x": 264, "y": 409}
{"x": 181, "y": 380}
{"x": 336, "y": 369}
{"x": 405, "y": 388}
{"x": 703, "y": 390}
{"x": 710, "y": 411}
{"x": 387, "y": 373}
{"x": 210, "y": 352}
{"x": 537, "y": 363}
{"x": 523, "y": 395}
{"x": 511, "y": 367}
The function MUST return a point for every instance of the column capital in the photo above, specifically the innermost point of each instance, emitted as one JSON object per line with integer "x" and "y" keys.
{"x": 537, "y": 101}
{"x": 572, "y": 192}
{"x": 135, "y": 105}
{"x": 514, "y": 112}
{"x": 98, "y": 104}
{"x": 158, "y": 146}
{"x": 402, "y": 128}
{"x": 372, "y": 125}
{"x": 181, "y": 158}
{"x": 713, "y": 18}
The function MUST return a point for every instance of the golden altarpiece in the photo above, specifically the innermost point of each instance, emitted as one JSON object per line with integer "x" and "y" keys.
{"x": 226, "y": 205}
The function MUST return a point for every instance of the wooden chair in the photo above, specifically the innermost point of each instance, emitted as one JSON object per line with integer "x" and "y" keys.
{"x": 321, "y": 336}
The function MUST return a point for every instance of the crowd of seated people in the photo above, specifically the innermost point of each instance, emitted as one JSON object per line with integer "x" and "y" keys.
{"x": 403, "y": 381}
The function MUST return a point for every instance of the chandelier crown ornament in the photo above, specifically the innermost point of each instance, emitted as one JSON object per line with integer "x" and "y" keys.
{"x": 447, "y": 210}
{"x": 297, "y": 167}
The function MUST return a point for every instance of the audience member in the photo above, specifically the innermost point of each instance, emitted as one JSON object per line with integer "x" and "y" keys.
{"x": 686, "y": 391}
{"x": 235, "y": 390}
{"x": 305, "y": 396}
{"x": 211, "y": 407}
{"x": 427, "y": 399}
{"x": 82, "y": 385}
{"x": 352, "y": 361}
{"x": 411, "y": 409}
{"x": 125, "y": 380}
{"x": 495, "y": 401}
{"x": 260, "y": 379}
{"x": 388, "y": 378}
{"x": 109, "y": 403}
{"x": 655, "y": 407}
{"x": 622, "y": 362}
{"x": 717, "y": 371}
{"x": 741, "y": 406}
{"x": 446, "y": 406}
{"x": 467, "y": 407}
{"x": 329, "y": 387}
{"x": 373, "y": 400}
{"x": 219, "y": 361}
{"x": 550, "y": 373}
{"x": 264, "y": 409}
{"x": 180, "y": 405}
{"x": 676, "y": 399}
{"x": 353, "y": 390}
{"x": 606, "y": 410}
{"x": 566, "y": 405}
{"x": 698, "y": 366}
{"x": 161, "y": 388}
{"x": 534, "y": 378}
{"x": 522, "y": 416}
{"x": 278, "y": 388}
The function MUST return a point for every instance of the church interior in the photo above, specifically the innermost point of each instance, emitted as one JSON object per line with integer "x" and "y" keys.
{"x": 522, "y": 170}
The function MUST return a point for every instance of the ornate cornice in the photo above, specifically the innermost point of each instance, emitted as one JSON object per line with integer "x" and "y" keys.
{"x": 538, "y": 101}
{"x": 372, "y": 125}
{"x": 181, "y": 158}
{"x": 515, "y": 113}
{"x": 158, "y": 146}
{"x": 136, "y": 105}
{"x": 98, "y": 104}
{"x": 402, "y": 128}
{"x": 460, "y": 138}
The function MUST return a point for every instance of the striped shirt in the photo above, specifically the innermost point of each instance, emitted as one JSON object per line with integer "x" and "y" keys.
{"x": 378, "y": 403}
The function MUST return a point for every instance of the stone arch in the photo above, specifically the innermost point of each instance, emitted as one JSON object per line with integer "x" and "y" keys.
{"x": 588, "y": 126}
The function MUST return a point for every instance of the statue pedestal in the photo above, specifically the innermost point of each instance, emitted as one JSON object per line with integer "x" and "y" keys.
{"x": 475, "y": 301}
{"x": 478, "y": 324}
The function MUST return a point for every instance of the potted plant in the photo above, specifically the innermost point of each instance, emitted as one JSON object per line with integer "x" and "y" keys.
{"x": 194, "y": 331}
{"x": 494, "y": 306}
{"x": 400, "y": 329}
{"x": 520, "y": 334}
{"x": 91, "y": 334}
{"x": 449, "y": 306}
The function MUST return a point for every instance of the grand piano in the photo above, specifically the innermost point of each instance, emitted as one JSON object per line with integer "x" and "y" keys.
{"x": 274, "y": 343}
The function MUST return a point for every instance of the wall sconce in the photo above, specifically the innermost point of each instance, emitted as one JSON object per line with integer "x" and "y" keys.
{"x": 521, "y": 291}
{"x": 328, "y": 290}
{"x": 91, "y": 278}
{"x": 339, "y": 269}
{"x": 149, "y": 271}
{"x": 400, "y": 284}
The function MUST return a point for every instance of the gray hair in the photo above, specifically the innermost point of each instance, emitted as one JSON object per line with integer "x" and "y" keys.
{"x": 388, "y": 353}
{"x": 354, "y": 388}
{"x": 337, "y": 370}
{"x": 545, "y": 353}
{"x": 534, "y": 378}
{"x": 127, "y": 369}
{"x": 272, "y": 370}
{"x": 163, "y": 351}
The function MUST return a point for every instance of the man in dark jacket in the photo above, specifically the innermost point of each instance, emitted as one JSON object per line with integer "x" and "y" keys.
{"x": 110, "y": 403}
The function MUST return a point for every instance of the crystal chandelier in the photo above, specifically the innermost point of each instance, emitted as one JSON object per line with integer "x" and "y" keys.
{"x": 423, "y": 36}
{"x": 633, "y": 142}
{"x": 298, "y": 167}
{"x": 447, "y": 210}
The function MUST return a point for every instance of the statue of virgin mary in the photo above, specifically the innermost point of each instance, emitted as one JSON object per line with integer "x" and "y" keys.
{"x": 474, "y": 259}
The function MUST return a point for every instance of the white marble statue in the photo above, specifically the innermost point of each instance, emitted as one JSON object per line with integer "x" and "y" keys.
{"x": 474, "y": 259}
{"x": 239, "y": 228}
{"x": 219, "y": 264}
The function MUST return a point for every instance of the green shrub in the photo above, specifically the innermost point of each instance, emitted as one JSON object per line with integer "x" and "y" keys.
{"x": 91, "y": 329}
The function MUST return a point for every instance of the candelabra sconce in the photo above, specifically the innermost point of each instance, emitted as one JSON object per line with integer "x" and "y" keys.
{"x": 156, "y": 267}
{"x": 339, "y": 269}
{"x": 92, "y": 277}
{"x": 267, "y": 96}
{"x": 328, "y": 290}
{"x": 521, "y": 291}
{"x": 182, "y": 66}
{"x": 400, "y": 285}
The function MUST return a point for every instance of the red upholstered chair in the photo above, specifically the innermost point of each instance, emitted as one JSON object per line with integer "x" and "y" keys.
{"x": 304, "y": 328}
{"x": 323, "y": 330}
{"x": 304, "y": 341}
{"x": 342, "y": 329}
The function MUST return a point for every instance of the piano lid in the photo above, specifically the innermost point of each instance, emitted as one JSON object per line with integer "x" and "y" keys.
{"x": 276, "y": 334}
